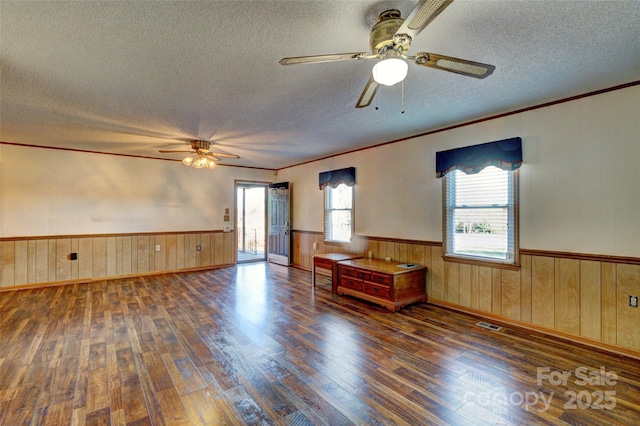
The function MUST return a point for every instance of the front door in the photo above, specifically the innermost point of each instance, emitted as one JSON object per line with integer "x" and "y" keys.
{"x": 279, "y": 241}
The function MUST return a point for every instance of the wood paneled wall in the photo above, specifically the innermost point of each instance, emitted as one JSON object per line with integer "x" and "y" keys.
{"x": 46, "y": 260}
{"x": 574, "y": 295}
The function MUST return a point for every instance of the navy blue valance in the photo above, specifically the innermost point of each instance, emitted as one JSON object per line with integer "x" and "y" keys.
{"x": 505, "y": 154}
{"x": 334, "y": 178}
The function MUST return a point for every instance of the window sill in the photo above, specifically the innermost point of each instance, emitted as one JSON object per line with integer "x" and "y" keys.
{"x": 482, "y": 262}
{"x": 337, "y": 243}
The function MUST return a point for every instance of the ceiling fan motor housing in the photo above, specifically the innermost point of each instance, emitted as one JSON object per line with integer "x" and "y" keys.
{"x": 199, "y": 144}
{"x": 381, "y": 35}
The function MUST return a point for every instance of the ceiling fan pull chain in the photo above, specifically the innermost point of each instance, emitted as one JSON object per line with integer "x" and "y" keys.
{"x": 402, "y": 89}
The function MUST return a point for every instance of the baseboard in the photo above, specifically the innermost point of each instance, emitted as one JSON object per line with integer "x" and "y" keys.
{"x": 620, "y": 350}
{"x": 302, "y": 268}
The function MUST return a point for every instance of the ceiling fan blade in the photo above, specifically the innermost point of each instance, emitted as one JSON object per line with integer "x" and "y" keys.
{"x": 172, "y": 152}
{"x": 222, "y": 154}
{"x": 422, "y": 14}
{"x": 213, "y": 157}
{"x": 456, "y": 65}
{"x": 325, "y": 58}
{"x": 368, "y": 93}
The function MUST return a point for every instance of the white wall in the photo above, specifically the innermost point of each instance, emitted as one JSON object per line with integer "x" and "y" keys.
{"x": 51, "y": 192}
{"x": 579, "y": 184}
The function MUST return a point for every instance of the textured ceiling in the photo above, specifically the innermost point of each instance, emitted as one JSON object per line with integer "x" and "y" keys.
{"x": 134, "y": 77}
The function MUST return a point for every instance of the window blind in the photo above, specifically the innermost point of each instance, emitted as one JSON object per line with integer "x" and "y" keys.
{"x": 338, "y": 213}
{"x": 480, "y": 214}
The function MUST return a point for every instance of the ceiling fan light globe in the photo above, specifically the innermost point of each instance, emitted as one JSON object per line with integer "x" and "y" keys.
{"x": 187, "y": 160}
{"x": 390, "y": 71}
{"x": 201, "y": 163}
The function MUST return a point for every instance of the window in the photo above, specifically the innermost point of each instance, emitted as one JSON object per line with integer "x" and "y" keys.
{"x": 480, "y": 215}
{"x": 338, "y": 213}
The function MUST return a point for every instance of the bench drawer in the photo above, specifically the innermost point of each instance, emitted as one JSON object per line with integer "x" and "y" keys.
{"x": 352, "y": 283}
{"x": 381, "y": 279}
{"x": 377, "y": 290}
{"x": 346, "y": 271}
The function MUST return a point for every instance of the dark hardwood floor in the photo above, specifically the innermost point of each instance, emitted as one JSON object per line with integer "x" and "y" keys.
{"x": 256, "y": 344}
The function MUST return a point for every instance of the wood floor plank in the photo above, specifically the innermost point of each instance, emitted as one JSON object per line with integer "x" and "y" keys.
{"x": 97, "y": 390}
{"x": 133, "y": 401}
{"x": 173, "y": 411}
{"x": 56, "y": 414}
{"x": 158, "y": 374}
{"x": 257, "y": 344}
{"x": 99, "y": 417}
{"x": 201, "y": 408}
{"x": 125, "y": 363}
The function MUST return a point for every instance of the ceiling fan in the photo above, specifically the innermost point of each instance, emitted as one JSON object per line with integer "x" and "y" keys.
{"x": 390, "y": 40}
{"x": 200, "y": 156}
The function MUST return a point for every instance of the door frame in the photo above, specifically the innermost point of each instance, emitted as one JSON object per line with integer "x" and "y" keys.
{"x": 238, "y": 183}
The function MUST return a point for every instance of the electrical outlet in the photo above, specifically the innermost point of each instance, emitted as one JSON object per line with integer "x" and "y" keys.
{"x": 315, "y": 246}
{"x": 157, "y": 247}
{"x": 198, "y": 247}
{"x": 633, "y": 301}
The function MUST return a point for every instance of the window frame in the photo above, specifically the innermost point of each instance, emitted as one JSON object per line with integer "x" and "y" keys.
{"x": 326, "y": 211}
{"x": 511, "y": 264}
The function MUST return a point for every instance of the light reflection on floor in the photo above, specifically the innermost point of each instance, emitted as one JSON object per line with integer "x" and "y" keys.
{"x": 253, "y": 304}
{"x": 251, "y": 290}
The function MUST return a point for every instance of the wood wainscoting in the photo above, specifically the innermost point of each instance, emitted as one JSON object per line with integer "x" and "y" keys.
{"x": 575, "y": 296}
{"x": 46, "y": 260}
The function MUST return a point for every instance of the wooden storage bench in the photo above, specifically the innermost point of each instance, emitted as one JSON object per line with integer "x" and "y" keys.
{"x": 381, "y": 282}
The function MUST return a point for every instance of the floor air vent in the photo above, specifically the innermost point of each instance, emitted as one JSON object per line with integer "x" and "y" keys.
{"x": 489, "y": 326}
